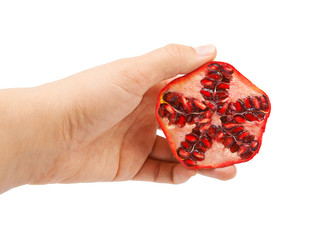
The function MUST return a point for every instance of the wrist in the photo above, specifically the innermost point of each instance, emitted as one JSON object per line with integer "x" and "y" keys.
{"x": 28, "y": 138}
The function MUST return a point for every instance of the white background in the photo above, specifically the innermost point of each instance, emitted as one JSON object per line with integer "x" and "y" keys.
{"x": 273, "y": 43}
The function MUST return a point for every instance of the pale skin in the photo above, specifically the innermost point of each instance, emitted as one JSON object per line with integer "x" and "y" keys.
{"x": 98, "y": 125}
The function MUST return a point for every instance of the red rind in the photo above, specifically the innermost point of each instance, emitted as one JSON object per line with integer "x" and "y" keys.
{"x": 181, "y": 81}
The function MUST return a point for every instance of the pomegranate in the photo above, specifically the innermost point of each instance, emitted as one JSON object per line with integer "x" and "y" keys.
{"x": 213, "y": 117}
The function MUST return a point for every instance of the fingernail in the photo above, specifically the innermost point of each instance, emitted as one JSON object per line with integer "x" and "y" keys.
{"x": 205, "y": 50}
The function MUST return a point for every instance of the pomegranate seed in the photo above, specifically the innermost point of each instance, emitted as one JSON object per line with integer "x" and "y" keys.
{"x": 199, "y": 104}
{"x": 208, "y": 114}
{"x": 220, "y": 135}
{"x": 250, "y": 117}
{"x": 173, "y": 118}
{"x": 189, "y": 118}
{"x": 248, "y": 139}
{"x": 254, "y": 145}
{"x": 208, "y": 83}
{"x": 224, "y": 119}
{"x": 181, "y": 121}
{"x": 189, "y": 162}
{"x": 207, "y": 94}
{"x": 186, "y": 145}
{"x": 239, "y": 106}
{"x": 246, "y": 154}
{"x": 169, "y": 109}
{"x": 264, "y": 103}
{"x": 199, "y": 156}
{"x": 177, "y": 103}
{"x": 223, "y": 86}
{"x": 205, "y": 120}
{"x": 170, "y": 97}
{"x": 238, "y": 129}
{"x": 183, "y": 101}
{"x": 183, "y": 153}
{"x": 229, "y": 125}
{"x": 256, "y": 103}
{"x": 200, "y": 147}
{"x": 227, "y": 68}
{"x": 242, "y": 149}
{"x": 226, "y": 80}
{"x": 206, "y": 142}
{"x": 186, "y": 105}
{"x": 243, "y": 135}
{"x": 212, "y": 132}
{"x": 213, "y": 67}
{"x": 215, "y": 76}
{"x": 196, "y": 131}
{"x": 227, "y": 75}
{"x": 222, "y": 109}
{"x": 234, "y": 148}
{"x": 188, "y": 108}
{"x": 162, "y": 111}
{"x": 260, "y": 116}
{"x": 231, "y": 109}
{"x": 228, "y": 141}
{"x": 211, "y": 106}
{"x": 239, "y": 119}
{"x": 221, "y": 95}
{"x": 191, "y": 138}
{"x": 247, "y": 103}
{"x": 205, "y": 127}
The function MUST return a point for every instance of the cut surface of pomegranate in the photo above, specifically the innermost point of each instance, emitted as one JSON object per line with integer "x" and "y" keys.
{"x": 213, "y": 117}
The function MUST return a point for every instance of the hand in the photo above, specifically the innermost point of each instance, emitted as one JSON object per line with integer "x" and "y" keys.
{"x": 100, "y": 125}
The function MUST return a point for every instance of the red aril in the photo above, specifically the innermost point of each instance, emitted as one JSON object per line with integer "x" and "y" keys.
{"x": 213, "y": 117}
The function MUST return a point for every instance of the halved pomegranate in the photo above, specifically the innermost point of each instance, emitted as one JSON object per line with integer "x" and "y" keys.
{"x": 213, "y": 117}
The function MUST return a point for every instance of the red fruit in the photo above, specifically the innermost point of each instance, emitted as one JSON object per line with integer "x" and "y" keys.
{"x": 213, "y": 117}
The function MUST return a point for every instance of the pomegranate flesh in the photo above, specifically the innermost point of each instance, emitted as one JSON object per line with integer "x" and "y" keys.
{"x": 213, "y": 117}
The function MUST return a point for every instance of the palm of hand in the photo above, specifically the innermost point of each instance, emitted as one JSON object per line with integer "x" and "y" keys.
{"x": 117, "y": 153}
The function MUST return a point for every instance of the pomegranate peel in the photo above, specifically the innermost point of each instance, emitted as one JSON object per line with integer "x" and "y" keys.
{"x": 213, "y": 117}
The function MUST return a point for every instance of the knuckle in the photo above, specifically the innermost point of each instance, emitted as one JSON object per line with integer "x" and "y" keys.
{"x": 135, "y": 77}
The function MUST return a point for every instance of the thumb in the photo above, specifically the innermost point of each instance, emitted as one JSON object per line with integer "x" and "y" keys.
{"x": 163, "y": 63}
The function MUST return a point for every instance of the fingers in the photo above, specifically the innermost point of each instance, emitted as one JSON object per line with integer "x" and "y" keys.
{"x": 164, "y": 172}
{"x": 225, "y": 173}
{"x": 138, "y": 74}
{"x": 168, "y": 61}
{"x": 162, "y": 151}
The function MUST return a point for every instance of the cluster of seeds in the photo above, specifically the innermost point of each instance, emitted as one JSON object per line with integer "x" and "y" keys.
{"x": 181, "y": 110}
{"x": 216, "y": 84}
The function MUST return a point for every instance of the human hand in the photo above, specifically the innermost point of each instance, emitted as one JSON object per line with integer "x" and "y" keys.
{"x": 100, "y": 125}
